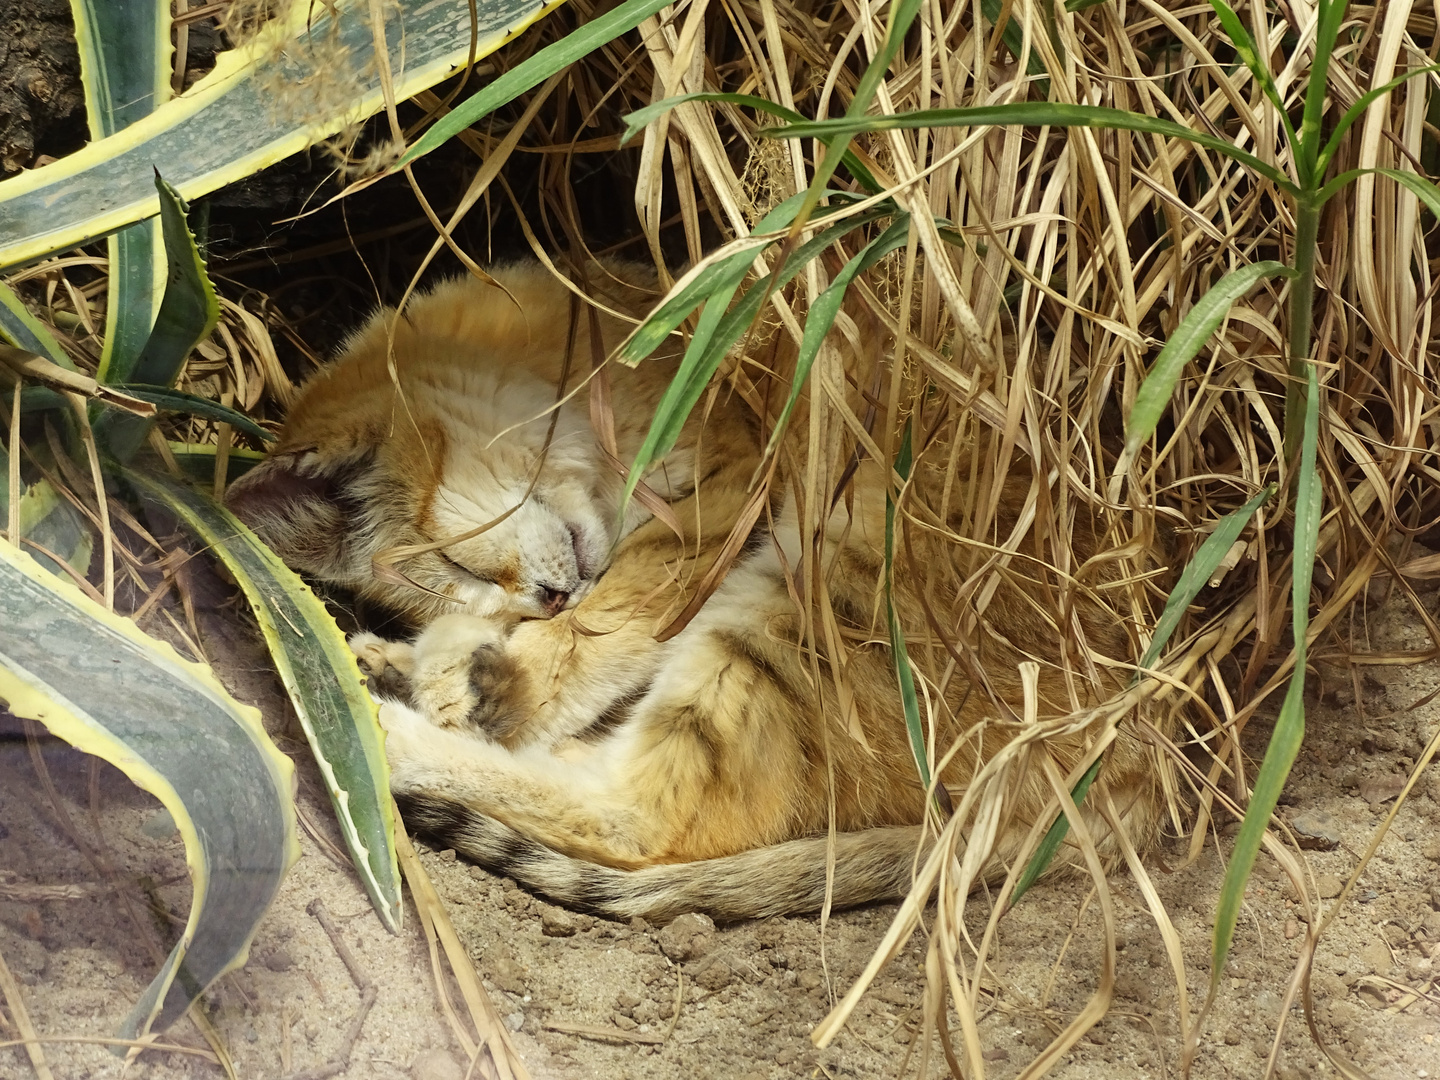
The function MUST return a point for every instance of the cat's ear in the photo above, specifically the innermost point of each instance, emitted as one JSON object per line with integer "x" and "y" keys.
{"x": 305, "y": 505}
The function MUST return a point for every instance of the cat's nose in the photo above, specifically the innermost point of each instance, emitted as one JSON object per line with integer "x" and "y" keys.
{"x": 553, "y": 600}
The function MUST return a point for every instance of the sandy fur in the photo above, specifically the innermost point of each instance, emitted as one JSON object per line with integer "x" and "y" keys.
{"x": 575, "y": 751}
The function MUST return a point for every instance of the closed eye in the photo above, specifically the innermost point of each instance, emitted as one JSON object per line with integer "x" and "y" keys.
{"x": 465, "y": 569}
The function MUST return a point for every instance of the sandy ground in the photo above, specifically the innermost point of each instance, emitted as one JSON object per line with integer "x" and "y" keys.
{"x": 591, "y": 998}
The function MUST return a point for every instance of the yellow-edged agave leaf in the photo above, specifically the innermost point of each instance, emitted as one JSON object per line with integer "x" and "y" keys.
{"x": 107, "y": 185}
{"x": 20, "y": 328}
{"x": 125, "y": 70}
{"x": 52, "y": 525}
{"x": 187, "y": 314}
{"x": 197, "y": 460}
{"x": 96, "y": 681}
{"x": 321, "y": 676}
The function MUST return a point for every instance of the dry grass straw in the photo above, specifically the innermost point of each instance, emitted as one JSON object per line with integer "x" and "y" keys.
{"x": 1083, "y": 250}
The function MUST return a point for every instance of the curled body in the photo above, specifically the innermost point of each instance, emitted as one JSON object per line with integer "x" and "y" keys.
{"x": 539, "y": 724}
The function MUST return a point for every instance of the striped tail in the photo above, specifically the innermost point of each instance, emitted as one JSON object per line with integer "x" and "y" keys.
{"x": 783, "y": 879}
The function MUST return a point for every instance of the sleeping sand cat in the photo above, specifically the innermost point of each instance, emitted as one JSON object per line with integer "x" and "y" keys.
{"x": 538, "y": 726}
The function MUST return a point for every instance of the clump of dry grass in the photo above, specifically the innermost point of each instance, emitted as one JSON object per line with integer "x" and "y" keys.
{"x": 1025, "y": 343}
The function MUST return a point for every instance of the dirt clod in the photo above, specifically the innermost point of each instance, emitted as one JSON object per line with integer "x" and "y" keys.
{"x": 557, "y": 922}
{"x": 687, "y": 937}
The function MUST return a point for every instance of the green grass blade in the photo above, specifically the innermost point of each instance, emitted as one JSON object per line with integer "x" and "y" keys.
{"x": 1055, "y": 835}
{"x": 177, "y": 401}
{"x": 1197, "y": 572}
{"x": 899, "y": 654}
{"x": 715, "y": 334}
{"x": 671, "y": 313}
{"x": 1029, "y": 114}
{"x": 902, "y": 15}
{"x": 1153, "y": 397}
{"x": 94, "y": 680}
{"x": 524, "y": 76}
{"x": 1331, "y": 16}
{"x": 1014, "y": 39}
{"x": 21, "y": 329}
{"x": 1192, "y": 579}
{"x": 227, "y": 125}
{"x": 641, "y": 118}
{"x": 1289, "y": 733}
{"x": 821, "y": 316}
{"x": 1423, "y": 189}
{"x": 696, "y": 367}
{"x": 1358, "y": 109}
{"x": 1245, "y": 47}
{"x": 661, "y": 322}
{"x": 125, "y": 70}
{"x": 321, "y": 676}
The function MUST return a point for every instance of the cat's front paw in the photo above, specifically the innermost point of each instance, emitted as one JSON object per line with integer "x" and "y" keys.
{"x": 388, "y": 665}
{"x": 462, "y": 677}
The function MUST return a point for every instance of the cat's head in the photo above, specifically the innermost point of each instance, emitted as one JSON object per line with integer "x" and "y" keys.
{"x": 428, "y": 429}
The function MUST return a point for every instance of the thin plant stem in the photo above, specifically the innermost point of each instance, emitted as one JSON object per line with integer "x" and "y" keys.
{"x": 1302, "y": 305}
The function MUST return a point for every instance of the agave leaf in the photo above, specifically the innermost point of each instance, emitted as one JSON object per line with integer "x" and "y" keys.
{"x": 125, "y": 70}
{"x": 188, "y": 313}
{"x": 1153, "y": 397}
{"x": 321, "y": 676}
{"x": 168, "y": 400}
{"x": 49, "y": 521}
{"x": 230, "y": 125}
{"x": 100, "y": 684}
{"x": 197, "y": 460}
{"x": 1289, "y": 730}
{"x": 189, "y": 309}
{"x": 24, "y": 331}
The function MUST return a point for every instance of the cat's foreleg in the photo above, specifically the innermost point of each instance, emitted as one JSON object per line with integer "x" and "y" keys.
{"x": 574, "y": 806}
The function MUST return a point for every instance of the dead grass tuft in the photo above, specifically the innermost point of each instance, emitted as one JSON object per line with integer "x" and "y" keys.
{"x": 1016, "y": 352}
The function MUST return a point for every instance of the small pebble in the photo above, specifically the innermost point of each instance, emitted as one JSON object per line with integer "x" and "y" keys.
{"x": 1329, "y": 886}
{"x": 515, "y": 1020}
{"x": 1317, "y": 830}
{"x": 279, "y": 960}
{"x": 1292, "y": 929}
{"x": 557, "y": 922}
